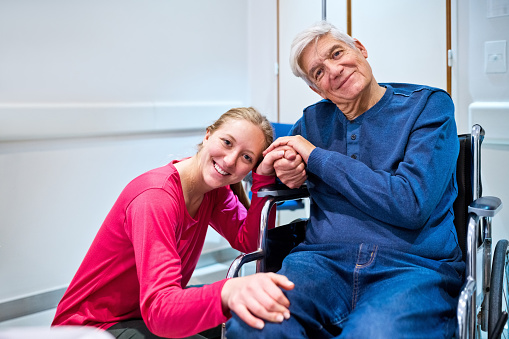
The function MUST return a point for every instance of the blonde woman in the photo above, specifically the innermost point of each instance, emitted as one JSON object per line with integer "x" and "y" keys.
{"x": 133, "y": 279}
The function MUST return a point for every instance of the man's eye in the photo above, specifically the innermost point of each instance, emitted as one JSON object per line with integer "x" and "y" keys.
{"x": 318, "y": 74}
{"x": 336, "y": 54}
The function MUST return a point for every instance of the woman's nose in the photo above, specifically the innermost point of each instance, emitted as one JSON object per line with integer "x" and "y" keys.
{"x": 230, "y": 159}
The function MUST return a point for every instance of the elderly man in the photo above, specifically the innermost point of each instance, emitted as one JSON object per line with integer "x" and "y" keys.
{"x": 381, "y": 257}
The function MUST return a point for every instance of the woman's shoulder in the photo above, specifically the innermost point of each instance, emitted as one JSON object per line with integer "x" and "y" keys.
{"x": 155, "y": 178}
{"x": 163, "y": 181}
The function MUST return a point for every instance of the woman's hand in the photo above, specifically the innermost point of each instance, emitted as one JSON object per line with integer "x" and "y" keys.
{"x": 297, "y": 142}
{"x": 291, "y": 171}
{"x": 291, "y": 168}
{"x": 257, "y": 297}
{"x": 266, "y": 167}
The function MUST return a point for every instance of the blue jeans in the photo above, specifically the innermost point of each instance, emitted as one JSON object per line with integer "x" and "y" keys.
{"x": 363, "y": 292}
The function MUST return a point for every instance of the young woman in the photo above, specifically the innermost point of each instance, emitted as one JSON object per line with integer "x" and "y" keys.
{"x": 133, "y": 279}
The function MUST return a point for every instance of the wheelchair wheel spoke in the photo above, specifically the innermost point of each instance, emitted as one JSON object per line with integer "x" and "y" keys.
{"x": 505, "y": 286}
{"x": 498, "y": 303}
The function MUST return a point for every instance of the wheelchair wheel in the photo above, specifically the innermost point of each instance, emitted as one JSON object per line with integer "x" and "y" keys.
{"x": 498, "y": 303}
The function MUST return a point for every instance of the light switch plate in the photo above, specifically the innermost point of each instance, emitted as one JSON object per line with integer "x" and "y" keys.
{"x": 495, "y": 58}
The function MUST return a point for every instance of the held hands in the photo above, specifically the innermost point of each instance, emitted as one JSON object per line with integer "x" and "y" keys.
{"x": 266, "y": 167}
{"x": 257, "y": 297}
{"x": 291, "y": 168}
{"x": 297, "y": 142}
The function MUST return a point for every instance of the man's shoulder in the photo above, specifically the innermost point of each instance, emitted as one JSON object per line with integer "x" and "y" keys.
{"x": 322, "y": 104}
{"x": 408, "y": 89}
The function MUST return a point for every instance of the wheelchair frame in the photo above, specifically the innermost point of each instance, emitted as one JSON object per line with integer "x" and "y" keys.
{"x": 480, "y": 309}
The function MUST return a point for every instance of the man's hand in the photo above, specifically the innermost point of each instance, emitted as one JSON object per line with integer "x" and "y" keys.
{"x": 257, "y": 297}
{"x": 266, "y": 167}
{"x": 297, "y": 142}
{"x": 291, "y": 169}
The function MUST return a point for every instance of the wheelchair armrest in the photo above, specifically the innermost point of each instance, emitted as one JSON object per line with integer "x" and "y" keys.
{"x": 242, "y": 259}
{"x": 280, "y": 192}
{"x": 485, "y": 206}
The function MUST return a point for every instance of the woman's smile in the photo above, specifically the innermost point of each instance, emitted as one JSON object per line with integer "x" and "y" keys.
{"x": 220, "y": 170}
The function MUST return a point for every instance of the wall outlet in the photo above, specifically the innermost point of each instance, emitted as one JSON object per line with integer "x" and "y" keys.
{"x": 495, "y": 59}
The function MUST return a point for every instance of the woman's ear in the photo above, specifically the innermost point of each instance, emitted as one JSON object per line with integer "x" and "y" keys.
{"x": 207, "y": 136}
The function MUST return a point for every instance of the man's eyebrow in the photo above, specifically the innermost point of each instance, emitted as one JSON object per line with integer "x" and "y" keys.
{"x": 329, "y": 52}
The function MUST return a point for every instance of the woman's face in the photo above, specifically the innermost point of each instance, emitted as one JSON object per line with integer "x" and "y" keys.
{"x": 229, "y": 153}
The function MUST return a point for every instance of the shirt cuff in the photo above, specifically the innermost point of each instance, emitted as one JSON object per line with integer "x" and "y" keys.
{"x": 262, "y": 180}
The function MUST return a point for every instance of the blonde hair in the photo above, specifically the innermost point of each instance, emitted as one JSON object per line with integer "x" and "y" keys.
{"x": 251, "y": 115}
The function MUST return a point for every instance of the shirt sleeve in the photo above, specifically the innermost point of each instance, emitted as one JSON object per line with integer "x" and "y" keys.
{"x": 234, "y": 223}
{"x": 167, "y": 309}
{"x": 407, "y": 196}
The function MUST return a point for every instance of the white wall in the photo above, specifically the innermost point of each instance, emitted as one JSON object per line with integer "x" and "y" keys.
{"x": 295, "y": 16}
{"x": 160, "y": 70}
{"x": 93, "y": 93}
{"x": 483, "y": 98}
{"x": 262, "y": 56}
{"x": 396, "y": 52}
{"x": 117, "y": 51}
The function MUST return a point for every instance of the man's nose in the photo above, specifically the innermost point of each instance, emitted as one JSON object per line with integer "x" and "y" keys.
{"x": 332, "y": 69}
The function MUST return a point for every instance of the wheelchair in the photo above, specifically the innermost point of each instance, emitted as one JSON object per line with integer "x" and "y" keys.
{"x": 482, "y": 306}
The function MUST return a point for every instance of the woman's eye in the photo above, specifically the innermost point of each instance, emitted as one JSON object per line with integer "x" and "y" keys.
{"x": 336, "y": 54}
{"x": 227, "y": 142}
{"x": 248, "y": 158}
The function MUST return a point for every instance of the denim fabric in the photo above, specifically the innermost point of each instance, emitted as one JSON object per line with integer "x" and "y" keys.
{"x": 363, "y": 291}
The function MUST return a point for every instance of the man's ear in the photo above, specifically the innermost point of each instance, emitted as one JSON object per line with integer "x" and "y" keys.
{"x": 361, "y": 48}
{"x": 317, "y": 92}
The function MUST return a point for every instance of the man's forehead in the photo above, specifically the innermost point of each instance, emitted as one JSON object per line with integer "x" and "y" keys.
{"x": 318, "y": 50}
{"x": 325, "y": 42}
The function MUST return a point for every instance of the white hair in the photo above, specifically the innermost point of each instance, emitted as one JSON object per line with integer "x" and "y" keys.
{"x": 306, "y": 37}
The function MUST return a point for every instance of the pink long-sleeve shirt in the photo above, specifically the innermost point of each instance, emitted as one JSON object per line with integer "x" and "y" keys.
{"x": 146, "y": 251}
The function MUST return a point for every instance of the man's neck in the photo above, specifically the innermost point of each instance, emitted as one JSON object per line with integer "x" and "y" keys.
{"x": 372, "y": 95}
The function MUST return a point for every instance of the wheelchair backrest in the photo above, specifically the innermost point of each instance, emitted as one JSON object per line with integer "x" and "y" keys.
{"x": 466, "y": 185}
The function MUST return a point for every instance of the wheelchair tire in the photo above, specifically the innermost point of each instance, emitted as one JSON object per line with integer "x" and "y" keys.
{"x": 498, "y": 302}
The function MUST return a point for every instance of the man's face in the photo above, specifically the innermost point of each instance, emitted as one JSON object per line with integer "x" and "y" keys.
{"x": 339, "y": 72}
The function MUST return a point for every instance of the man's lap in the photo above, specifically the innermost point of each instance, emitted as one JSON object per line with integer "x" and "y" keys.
{"x": 362, "y": 288}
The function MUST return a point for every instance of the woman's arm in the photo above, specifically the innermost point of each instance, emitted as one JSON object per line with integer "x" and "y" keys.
{"x": 168, "y": 309}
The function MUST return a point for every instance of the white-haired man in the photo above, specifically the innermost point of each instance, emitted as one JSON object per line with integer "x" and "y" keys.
{"x": 381, "y": 256}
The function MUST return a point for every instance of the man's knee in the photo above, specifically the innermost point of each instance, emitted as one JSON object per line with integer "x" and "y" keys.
{"x": 236, "y": 328}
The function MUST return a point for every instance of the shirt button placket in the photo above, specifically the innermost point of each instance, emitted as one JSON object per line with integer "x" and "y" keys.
{"x": 353, "y": 129}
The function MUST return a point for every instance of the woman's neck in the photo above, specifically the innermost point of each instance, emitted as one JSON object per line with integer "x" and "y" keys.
{"x": 190, "y": 180}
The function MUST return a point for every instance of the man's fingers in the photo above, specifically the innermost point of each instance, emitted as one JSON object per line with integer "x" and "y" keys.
{"x": 290, "y": 154}
{"x": 277, "y": 143}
